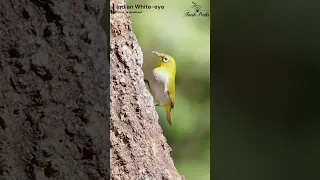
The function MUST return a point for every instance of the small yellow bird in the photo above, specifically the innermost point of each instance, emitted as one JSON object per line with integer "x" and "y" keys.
{"x": 162, "y": 83}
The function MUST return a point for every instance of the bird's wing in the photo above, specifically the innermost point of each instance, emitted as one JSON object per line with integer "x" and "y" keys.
{"x": 172, "y": 92}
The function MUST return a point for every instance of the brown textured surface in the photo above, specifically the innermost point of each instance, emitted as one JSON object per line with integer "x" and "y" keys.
{"x": 139, "y": 149}
{"x": 53, "y": 95}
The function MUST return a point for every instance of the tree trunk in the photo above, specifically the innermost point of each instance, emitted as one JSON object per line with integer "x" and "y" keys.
{"x": 139, "y": 149}
{"x": 53, "y": 90}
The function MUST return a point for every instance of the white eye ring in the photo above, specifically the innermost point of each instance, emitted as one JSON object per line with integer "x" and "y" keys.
{"x": 165, "y": 59}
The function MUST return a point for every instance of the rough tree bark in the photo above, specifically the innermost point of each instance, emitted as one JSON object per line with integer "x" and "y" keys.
{"x": 139, "y": 149}
{"x": 53, "y": 90}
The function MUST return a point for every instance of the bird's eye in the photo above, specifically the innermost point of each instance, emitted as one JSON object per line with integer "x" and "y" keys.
{"x": 165, "y": 59}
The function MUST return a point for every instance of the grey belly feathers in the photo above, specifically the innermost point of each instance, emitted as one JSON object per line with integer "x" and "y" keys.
{"x": 158, "y": 86}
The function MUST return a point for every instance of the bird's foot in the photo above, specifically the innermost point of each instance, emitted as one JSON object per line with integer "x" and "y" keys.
{"x": 147, "y": 82}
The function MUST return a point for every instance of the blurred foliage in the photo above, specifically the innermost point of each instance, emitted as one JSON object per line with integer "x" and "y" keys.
{"x": 187, "y": 39}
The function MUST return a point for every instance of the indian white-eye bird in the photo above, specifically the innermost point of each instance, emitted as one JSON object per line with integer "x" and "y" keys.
{"x": 162, "y": 83}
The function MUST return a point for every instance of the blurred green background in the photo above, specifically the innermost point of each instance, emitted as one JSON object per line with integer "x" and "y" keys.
{"x": 187, "y": 39}
{"x": 265, "y": 97}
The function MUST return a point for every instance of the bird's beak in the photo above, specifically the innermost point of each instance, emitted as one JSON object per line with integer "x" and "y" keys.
{"x": 155, "y": 52}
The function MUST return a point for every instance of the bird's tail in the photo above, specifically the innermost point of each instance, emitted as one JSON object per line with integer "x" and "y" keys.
{"x": 168, "y": 109}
